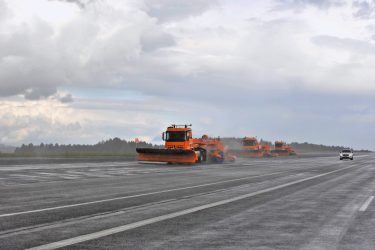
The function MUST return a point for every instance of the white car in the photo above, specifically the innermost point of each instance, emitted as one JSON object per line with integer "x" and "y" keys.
{"x": 347, "y": 154}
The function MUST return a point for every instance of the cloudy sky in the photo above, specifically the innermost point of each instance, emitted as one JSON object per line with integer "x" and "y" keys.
{"x": 80, "y": 71}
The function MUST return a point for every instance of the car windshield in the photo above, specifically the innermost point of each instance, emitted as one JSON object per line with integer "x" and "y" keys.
{"x": 346, "y": 151}
{"x": 174, "y": 136}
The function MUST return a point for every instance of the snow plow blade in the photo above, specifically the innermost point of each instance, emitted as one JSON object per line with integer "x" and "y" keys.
{"x": 166, "y": 155}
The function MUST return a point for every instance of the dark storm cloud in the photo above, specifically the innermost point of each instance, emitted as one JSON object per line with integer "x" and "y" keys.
{"x": 169, "y": 10}
{"x": 296, "y": 4}
{"x": 364, "y": 9}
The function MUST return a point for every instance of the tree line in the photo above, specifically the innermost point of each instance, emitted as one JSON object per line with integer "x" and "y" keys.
{"x": 236, "y": 143}
{"x": 115, "y": 146}
{"x": 310, "y": 147}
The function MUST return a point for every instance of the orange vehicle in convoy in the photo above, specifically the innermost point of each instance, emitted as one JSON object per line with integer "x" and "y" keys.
{"x": 181, "y": 147}
{"x": 267, "y": 150}
{"x": 282, "y": 149}
{"x": 213, "y": 150}
{"x": 252, "y": 148}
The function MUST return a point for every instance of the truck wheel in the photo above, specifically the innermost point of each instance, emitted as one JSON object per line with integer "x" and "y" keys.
{"x": 221, "y": 159}
{"x": 351, "y": 158}
{"x": 340, "y": 159}
{"x": 199, "y": 157}
{"x": 202, "y": 155}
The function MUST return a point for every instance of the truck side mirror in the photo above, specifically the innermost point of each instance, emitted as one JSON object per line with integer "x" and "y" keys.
{"x": 163, "y": 136}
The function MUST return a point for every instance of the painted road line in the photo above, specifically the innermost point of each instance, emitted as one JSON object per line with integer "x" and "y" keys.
{"x": 366, "y": 204}
{"x": 133, "y": 196}
{"x": 68, "y": 222}
{"x": 66, "y": 166}
{"x": 119, "y": 229}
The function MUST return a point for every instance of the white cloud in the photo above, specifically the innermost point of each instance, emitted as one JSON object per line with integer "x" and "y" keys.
{"x": 80, "y": 3}
{"x": 364, "y": 9}
{"x": 37, "y": 121}
{"x": 96, "y": 47}
{"x": 51, "y": 121}
{"x": 118, "y": 44}
{"x": 192, "y": 61}
{"x": 4, "y": 11}
{"x": 297, "y": 4}
{"x": 170, "y": 10}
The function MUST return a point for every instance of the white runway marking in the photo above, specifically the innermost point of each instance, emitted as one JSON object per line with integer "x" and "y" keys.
{"x": 119, "y": 229}
{"x": 67, "y": 174}
{"x": 131, "y": 196}
{"x": 67, "y": 166}
{"x": 366, "y": 204}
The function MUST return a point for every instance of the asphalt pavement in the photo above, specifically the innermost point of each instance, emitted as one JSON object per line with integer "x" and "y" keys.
{"x": 277, "y": 203}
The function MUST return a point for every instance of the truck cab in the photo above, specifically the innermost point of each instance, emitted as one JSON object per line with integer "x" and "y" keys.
{"x": 178, "y": 137}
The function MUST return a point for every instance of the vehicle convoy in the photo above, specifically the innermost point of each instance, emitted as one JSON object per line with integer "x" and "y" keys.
{"x": 181, "y": 147}
{"x": 347, "y": 153}
{"x": 282, "y": 149}
{"x": 252, "y": 148}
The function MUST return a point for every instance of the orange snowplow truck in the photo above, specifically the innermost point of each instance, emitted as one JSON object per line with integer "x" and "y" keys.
{"x": 213, "y": 150}
{"x": 180, "y": 147}
{"x": 282, "y": 149}
{"x": 252, "y": 148}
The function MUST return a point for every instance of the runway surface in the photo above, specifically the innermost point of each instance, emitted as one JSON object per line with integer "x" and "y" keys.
{"x": 278, "y": 203}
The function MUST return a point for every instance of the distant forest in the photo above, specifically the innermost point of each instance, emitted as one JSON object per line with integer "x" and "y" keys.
{"x": 119, "y": 147}
{"x": 309, "y": 147}
{"x": 115, "y": 146}
{"x": 236, "y": 143}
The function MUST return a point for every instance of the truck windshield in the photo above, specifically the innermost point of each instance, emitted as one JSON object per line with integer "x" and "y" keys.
{"x": 249, "y": 142}
{"x": 174, "y": 136}
{"x": 278, "y": 145}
